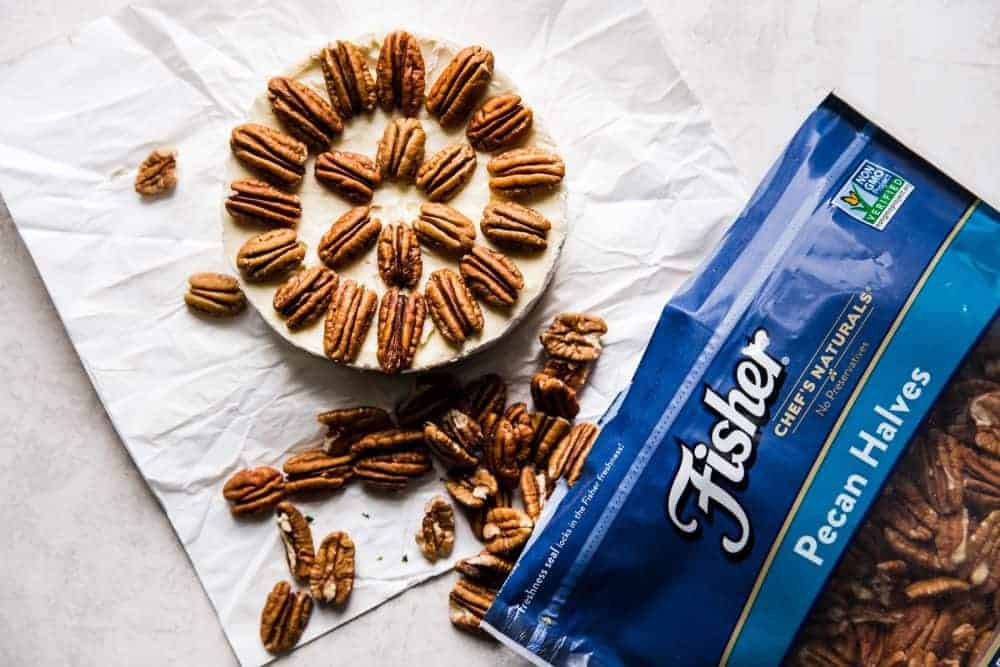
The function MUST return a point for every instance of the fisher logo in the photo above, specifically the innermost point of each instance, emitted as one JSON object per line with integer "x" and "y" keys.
{"x": 729, "y": 453}
{"x": 873, "y": 195}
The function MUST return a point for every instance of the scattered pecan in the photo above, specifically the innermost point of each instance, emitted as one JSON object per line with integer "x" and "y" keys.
{"x": 473, "y": 490}
{"x": 315, "y": 470}
{"x": 446, "y": 172}
{"x": 157, "y": 174}
{"x": 572, "y": 373}
{"x": 332, "y": 578}
{"x": 485, "y": 568}
{"x": 455, "y": 313}
{"x": 274, "y": 155}
{"x": 347, "y": 425}
{"x": 351, "y": 175}
{"x": 484, "y": 396}
{"x": 534, "y": 490}
{"x": 215, "y": 294}
{"x": 400, "y": 74}
{"x": 401, "y": 149}
{"x": 349, "y": 82}
{"x": 436, "y": 536}
{"x": 500, "y": 122}
{"x": 296, "y": 537}
{"x": 547, "y": 432}
{"x": 510, "y": 224}
{"x": 491, "y": 276}
{"x": 506, "y": 530}
{"x": 553, "y": 396}
{"x": 445, "y": 229}
{"x": 301, "y": 109}
{"x": 270, "y": 255}
{"x": 456, "y": 440}
{"x": 433, "y": 395}
{"x": 256, "y": 202}
{"x": 284, "y": 617}
{"x": 388, "y": 460}
{"x": 468, "y": 604}
{"x": 462, "y": 82}
{"x": 305, "y": 296}
{"x": 347, "y": 321}
{"x": 569, "y": 455}
{"x": 400, "y": 327}
{"x": 399, "y": 261}
{"x": 252, "y": 490}
{"x": 349, "y": 237}
{"x": 522, "y": 171}
{"x": 574, "y": 337}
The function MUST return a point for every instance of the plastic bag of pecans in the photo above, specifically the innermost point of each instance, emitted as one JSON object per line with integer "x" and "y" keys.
{"x": 806, "y": 466}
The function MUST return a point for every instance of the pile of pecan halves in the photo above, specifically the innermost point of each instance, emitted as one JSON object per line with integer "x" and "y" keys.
{"x": 492, "y": 451}
{"x": 920, "y": 583}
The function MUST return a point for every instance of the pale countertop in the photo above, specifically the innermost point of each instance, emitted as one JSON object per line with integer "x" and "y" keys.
{"x": 76, "y": 511}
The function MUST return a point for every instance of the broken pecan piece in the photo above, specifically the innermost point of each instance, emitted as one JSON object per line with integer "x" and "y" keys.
{"x": 491, "y": 276}
{"x": 468, "y": 604}
{"x": 484, "y": 396}
{"x": 349, "y": 82}
{"x": 433, "y": 395}
{"x": 274, "y": 155}
{"x": 349, "y": 237}
{"x": 305, "y": 296}
{"x": 347, "y": 425}
{"x": 157, "y": 174}
{"x": 574, "y": 337}
{"x": 400, "y": 74}
{"x": 461, "y": 84}
{"x": 400, "y": 327}
{"x": 436, "y": 536}
{"x": 296, "y": 537}
{"x": 455, "y": 313}
{"x": 574, "y": 374}
{"x": 215, "y": 294}
{"x": 569, "y": 455}
{"x": 456, "y": 440}
{"x": 446, "y": 172}
{"x": 473, "y": 490}
{"x": 553, "y": 396}
{"x": 445, "y": 229}
{"x": 315, "y": 470}
{"x": 253, "y": 490}
{"x": 256, "y": 202}
{"x": 510, "y": 224}
{"x": 534, "y": 490}
{"x": 332, "y": 578}
{"x": 547, "y": 432}
{"x": 347, "y": 321}
{"x": 399, "y": 261}
{"x": 501, "y": 122}
{"x": 522, "y": 171}
{"x": 401, "y": 149}
{"x": 351, "y": 175}
{"x": 270, "y": 255}
{"x": 389, "y": 459}
{"x": 485, "y": 568}
{"x": 304, "y": 112}
{"x": 506, "y": 530}
{"x": 284, "y": 617}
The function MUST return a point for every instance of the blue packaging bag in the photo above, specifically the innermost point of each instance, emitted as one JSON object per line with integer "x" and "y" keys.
{"x": 781, "y": 388}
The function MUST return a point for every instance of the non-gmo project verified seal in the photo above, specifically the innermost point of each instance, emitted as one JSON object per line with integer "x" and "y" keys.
{"x": 873, "y": 195}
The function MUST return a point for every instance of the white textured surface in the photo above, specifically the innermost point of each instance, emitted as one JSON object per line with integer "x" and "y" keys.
{"x": 92, "y": 572}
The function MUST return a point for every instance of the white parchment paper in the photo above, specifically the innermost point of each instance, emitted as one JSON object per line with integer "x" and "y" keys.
{"x": 650, "y": 191}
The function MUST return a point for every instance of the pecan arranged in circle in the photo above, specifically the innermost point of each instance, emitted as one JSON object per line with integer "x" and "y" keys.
{"x": 332, "y": 577}
{"x": 433, "y": 395}
{"x": 157, "y": 174}
{"x": 515, "y": 226}
{"x": 506, "y": 530}
{"x": 456, "y": 440}
{"x": 462, "y": 82}
{"x": 501, "y": 122}
{"x": 315, "y": 470}
{"x": 349, "y": 82}
{"x": 484, "y": 396}
{"x": 436, "y": 536}
{"x": 253, "y": 490}
{"x": 522, "y": 171}
{"x": 574, "y": 337}
{"x": 400, "y": 327}
{"x": 534, "y": 490}
{"x": 492, "y": 276}
{"x": 388, "y": 460}
{"x": 304, "y": 112}
{"x": 569, "y": 455}
{"x": 347, "y": 425}
{"x": 351, "y": 175}
{"x": 547, "y": 432}
{"x": 473, "y": 490}
{"x": 284, "y": 617}
{"x": 455, "y": 313}
{"x": 553, "y": 396}
{"x": 400, "y": 74}
{"x": 349, "y": 237}
{"x": 399, "y": 261}
{"x": 444, "y": 228}
{"x": 468, "y": 604}
{"x": 270, "y": 255}
{"x": 274, "y": 155}
{"x": 401, "y": 149}
{"x": 256, "y": 202}
{"x": 215, "y": 294}
{"x": 296, "y": 537}
{"x": 446, "y": 172}
{"x": 486, "y": 568}
{"x": 305, "y": 296}
{"x": 347, "y": 321}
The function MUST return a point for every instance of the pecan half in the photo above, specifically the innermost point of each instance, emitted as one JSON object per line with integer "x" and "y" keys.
{"x": 283, "y": 618}
{"x": 347, "y": 321}
{"x": 433, "y": 395}
{"x": 351, "y": 175}
{"x": 468, "y": 604}
{"x": 485, "y": 568}
{"x": 569, "y": 455}
{"x": 274, "y": 155}
{"x": 256, "y": 202}
{"x": 445, "y": 229}
{"x": 506, "y": 530}
{"x": 157, "y": 174}
{"x": 573, "y": 373}
{"x": 400, "y": 73}
{"x": 456, "y": 440}
{"x": 270, "y": 255}
{"x": 509, "y": 224}
{"x": 389, "y": 459}
{"x": 400, "y": 326}
{"x": 296, "y": 537}
{"x": 332, "y": 578}
{"x": 347, "y": 425}
{"x": 252, "y": 490}
{"x": 547, "y": 432}
{"x": 534, "y": 490}
{"x": 349, "y": 82}
{"x": 301, "y": 109}
{"x": 349, "y": 237}
{"x": 574, "y": 337}
{"x": 501, "y": 122}
{"x": 399, "y": 261}
{"x": 436, "y": 536}
{"x": 484, "y": 396}
{"x": 446, "y": 172}
{"x": 491, "y": 276}
{"x": 473, "y": 490}
{"x": 455, "y": 313}
{"x": 942, "y": 471}
{"x": 935, "y": 587}
{"x": 522, "y": 171}
{"x": 508, "y": 444}
{"x": 553, "y": 396}
{"x": 305, "y": 296}
{"x": 215, "y": 294}
{"x": 315, "y": 470}
{"x": 983, "y": 429}
{"x": 401, "y": 149}
{"x": 462, "y": 82}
